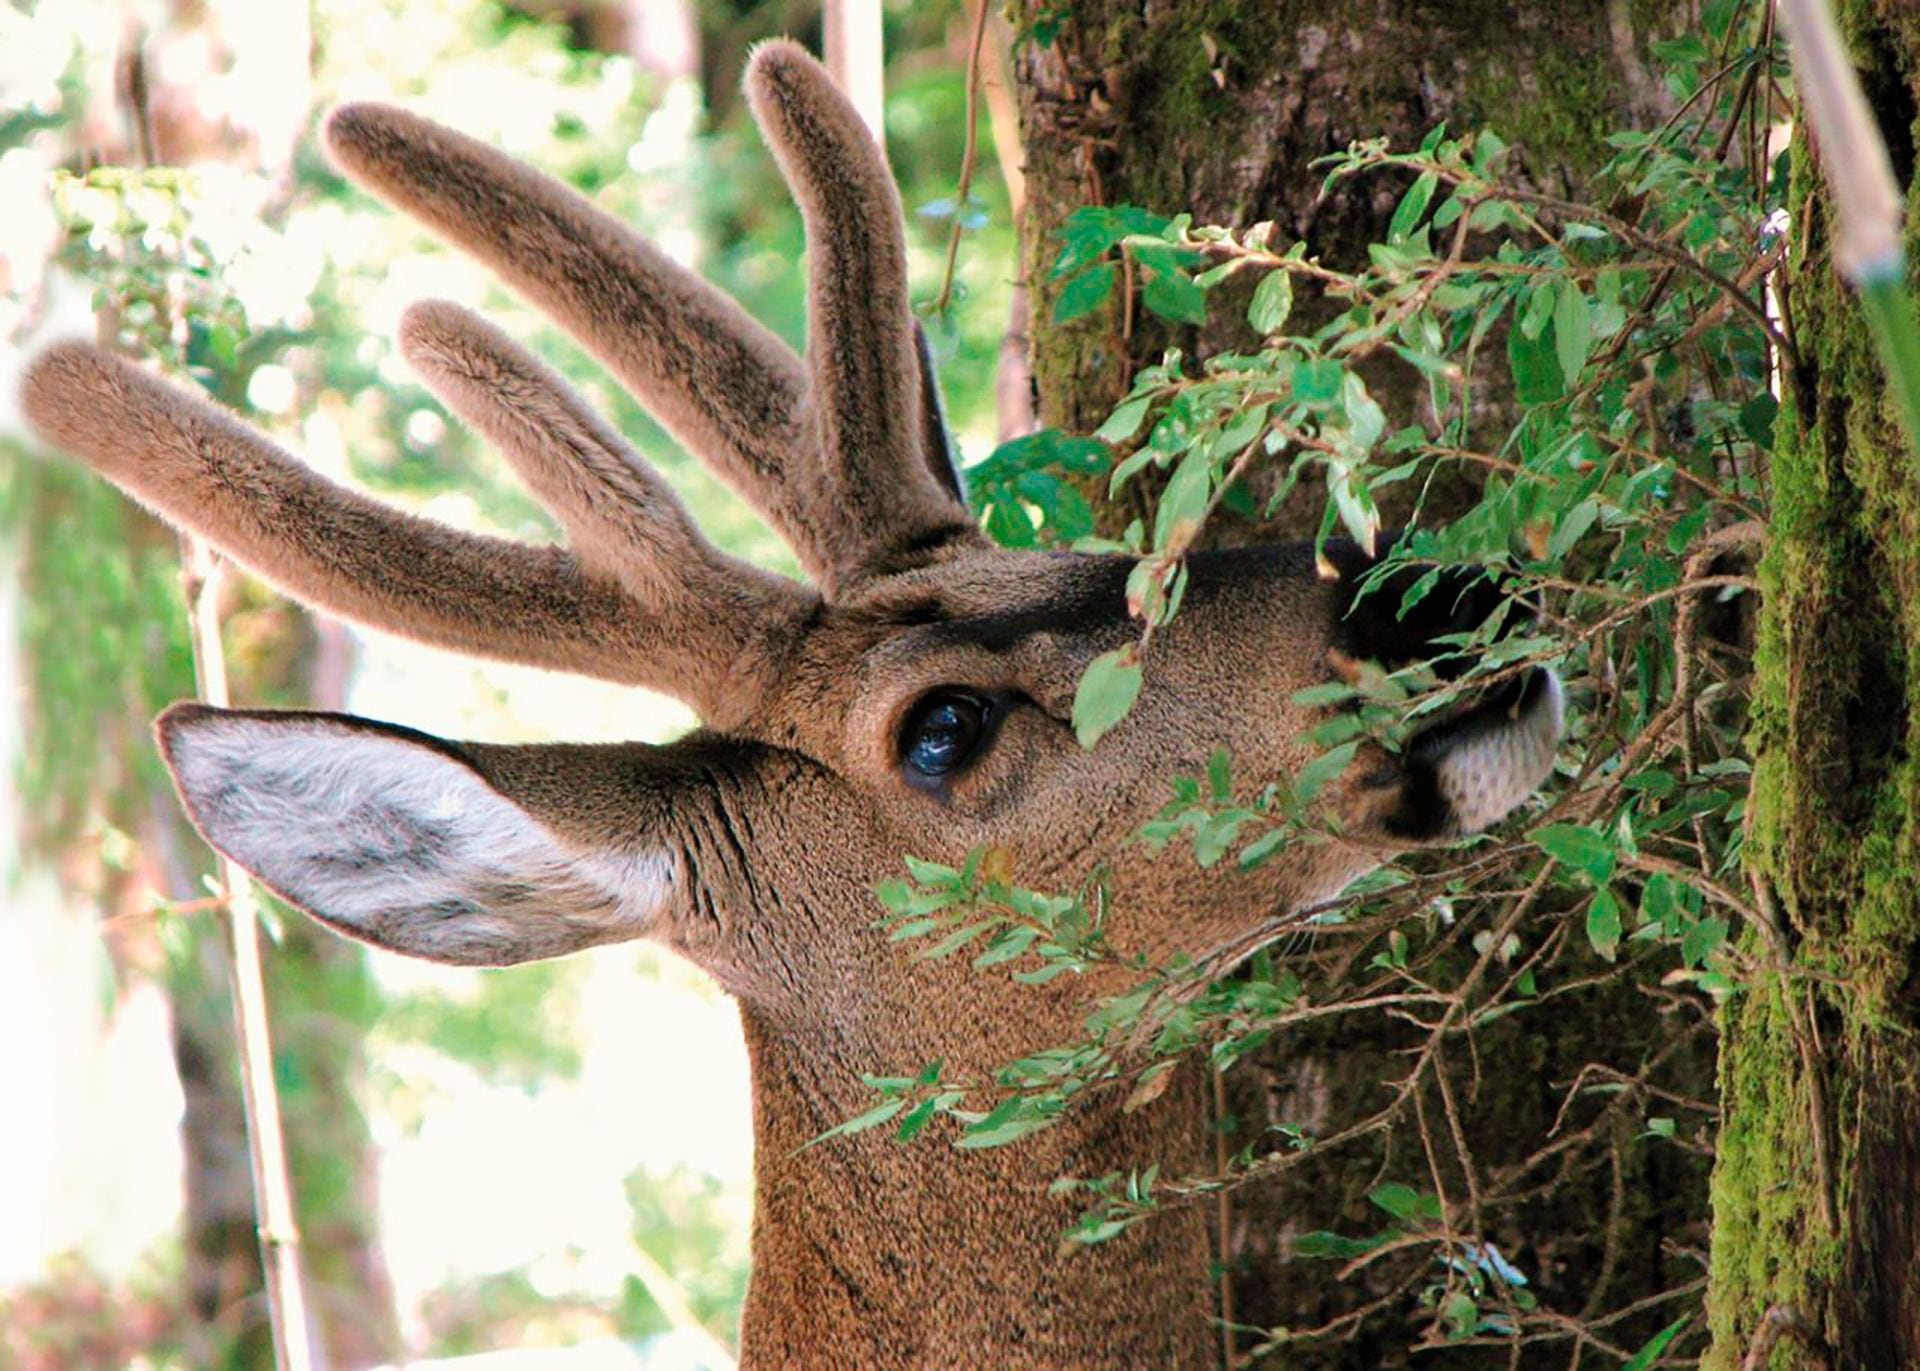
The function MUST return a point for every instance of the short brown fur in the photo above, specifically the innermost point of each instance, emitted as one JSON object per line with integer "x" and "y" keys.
{"x": 752, "y": 847}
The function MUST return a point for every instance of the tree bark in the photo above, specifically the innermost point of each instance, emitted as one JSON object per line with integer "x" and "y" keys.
{"x": 1218, "y": 110}
{"x": 1816, "y": 1189}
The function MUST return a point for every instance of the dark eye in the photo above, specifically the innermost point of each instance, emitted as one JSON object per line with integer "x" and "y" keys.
{"x": 943, "y": 732}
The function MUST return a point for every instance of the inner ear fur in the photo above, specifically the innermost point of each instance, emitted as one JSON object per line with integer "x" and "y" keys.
{"x": 464, "y": 853}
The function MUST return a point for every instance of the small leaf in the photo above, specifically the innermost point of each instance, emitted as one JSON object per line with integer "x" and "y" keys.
{"x": 955, "y": 940}
{"x": 1650, "y": 1351}
{"x": 1412, "y": 207}
{"x": 1172, "y": 294}
{"x": 1702, "y": 941}
{"x": 1124, "y": 422}
{"x": 1322, "y": 769}
{"x": 1756, "y": 419}
{"x": 999, "y": 1135}
{"x": 1272, "y": 302}
{"x": 1603, "y": 923}
{"x": 1107, "y": 690}
{"x": 1084, "y": 294}
{"x": 1579, "y": 847}
{"x": 1183, "y": 503}
{"x": 1318, "y": 382}
{"x": 1220, "y": 775}
{"x": 1572, "y": 330}
{"x": 873, "y": 1118}
{"x": 1007, "y": 947}
{"x": 932, "y": 873}
{"x": 1401, "y": 1201}
{"x": 1324, "y": 1244}
{"x": 1538, "y": 377}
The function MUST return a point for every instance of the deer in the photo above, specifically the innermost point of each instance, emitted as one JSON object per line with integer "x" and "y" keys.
{"x": 912, "y": 696}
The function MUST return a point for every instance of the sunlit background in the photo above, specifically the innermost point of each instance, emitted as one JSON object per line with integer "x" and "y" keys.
{"x": 555, "y": 1156}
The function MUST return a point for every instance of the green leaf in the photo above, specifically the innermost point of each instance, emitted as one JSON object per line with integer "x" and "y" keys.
{"x": 956, "y": 940}
{"x": 1318, "y": 382}
{"x": 1702, "y": 941}
{"x": 1324, "y": 1244}
{"x": 1651, "y": 1350}
{"x": 1603, "y": 923}
{"x": 917, "y": 1118}
{"x": 1220, "y": 775}
{"x": 1322, "y": 769}
{"x": 1756, "y": 419}
{"x": 1007, "y": 947}
{"x": 1184, "y": 502}
{"x": 1412, "y": 207}
{"x": 1655, "y": 782}
{"x": 1108, "y": 688}
{"x": 1572, "y": 330}
{"x": 1092, "y": 230}
{"x": 1579, "y": 847}
{"x": 1084, "y": 294}
{"x": 999, "y": 1135}
{"x": 1538, "y": 377}
{"x": 1401, "y": 1201}
{"x": 1272, "y": 302}
{"x": 932, "y": 873}
{"x": 1172, "y": 294}
{"x": 1686, "y": 50}
{"x": 860, "y": 1123}
{"x": 1263, "y": 847}
{"x": 1124, "y": 422}
{"x": 1537, "y": 313}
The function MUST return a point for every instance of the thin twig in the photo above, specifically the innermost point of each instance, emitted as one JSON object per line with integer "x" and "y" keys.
{"x": 967, "y": 159}
{"x": 276, "y": 1223}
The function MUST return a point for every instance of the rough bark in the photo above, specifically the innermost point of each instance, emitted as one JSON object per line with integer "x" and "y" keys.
{"x": 1217, "y": 109}
{"x": 1816, "y": 1190}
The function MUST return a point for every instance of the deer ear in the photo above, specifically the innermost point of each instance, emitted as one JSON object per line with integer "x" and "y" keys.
{"x": 936, "y": 439}
{"x": 454, "y": 853}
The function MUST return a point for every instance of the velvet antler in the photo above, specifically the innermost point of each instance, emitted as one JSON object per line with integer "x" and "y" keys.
{"x": 722, "y": 384}
{"x": 860, "y": 350}
{"x": 847, "y": 456}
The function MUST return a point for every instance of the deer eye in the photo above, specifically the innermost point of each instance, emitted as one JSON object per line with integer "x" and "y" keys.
{"x": 944, "y": 731}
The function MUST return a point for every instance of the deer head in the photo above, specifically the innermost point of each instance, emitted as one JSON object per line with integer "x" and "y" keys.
{"x": 915, "y": 697}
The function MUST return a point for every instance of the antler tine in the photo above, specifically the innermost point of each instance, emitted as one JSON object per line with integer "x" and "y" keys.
{"x": 727, "y": 388}
{"x": 861, "y": 350}
{"x": 619, "y": 515}
{"x": 334, "y": 548}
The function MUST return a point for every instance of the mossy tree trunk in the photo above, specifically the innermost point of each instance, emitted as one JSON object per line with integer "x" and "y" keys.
{"x": 1816, "y": 1190}
{"x": 1218, "y": 109}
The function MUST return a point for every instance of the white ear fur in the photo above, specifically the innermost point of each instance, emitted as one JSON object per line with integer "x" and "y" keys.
{"x": 388, "y": 839}
{"x": 1492, "y": 768}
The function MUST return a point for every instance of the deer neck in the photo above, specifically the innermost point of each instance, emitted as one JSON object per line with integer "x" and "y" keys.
{"x": 872, "y": 1254}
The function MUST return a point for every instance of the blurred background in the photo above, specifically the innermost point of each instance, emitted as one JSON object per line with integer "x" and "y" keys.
{"x": 550, "y": 1157}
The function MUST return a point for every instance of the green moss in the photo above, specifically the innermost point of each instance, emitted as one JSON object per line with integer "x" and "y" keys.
{"x": 1836, "y": 790}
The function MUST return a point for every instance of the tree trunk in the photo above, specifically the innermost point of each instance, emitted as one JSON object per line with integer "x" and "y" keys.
{"x": 1218, "y": 110}
{"x": 1816, "y": 1190}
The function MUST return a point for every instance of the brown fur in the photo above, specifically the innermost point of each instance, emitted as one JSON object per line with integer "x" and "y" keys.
{"x": 753, "y": 848}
